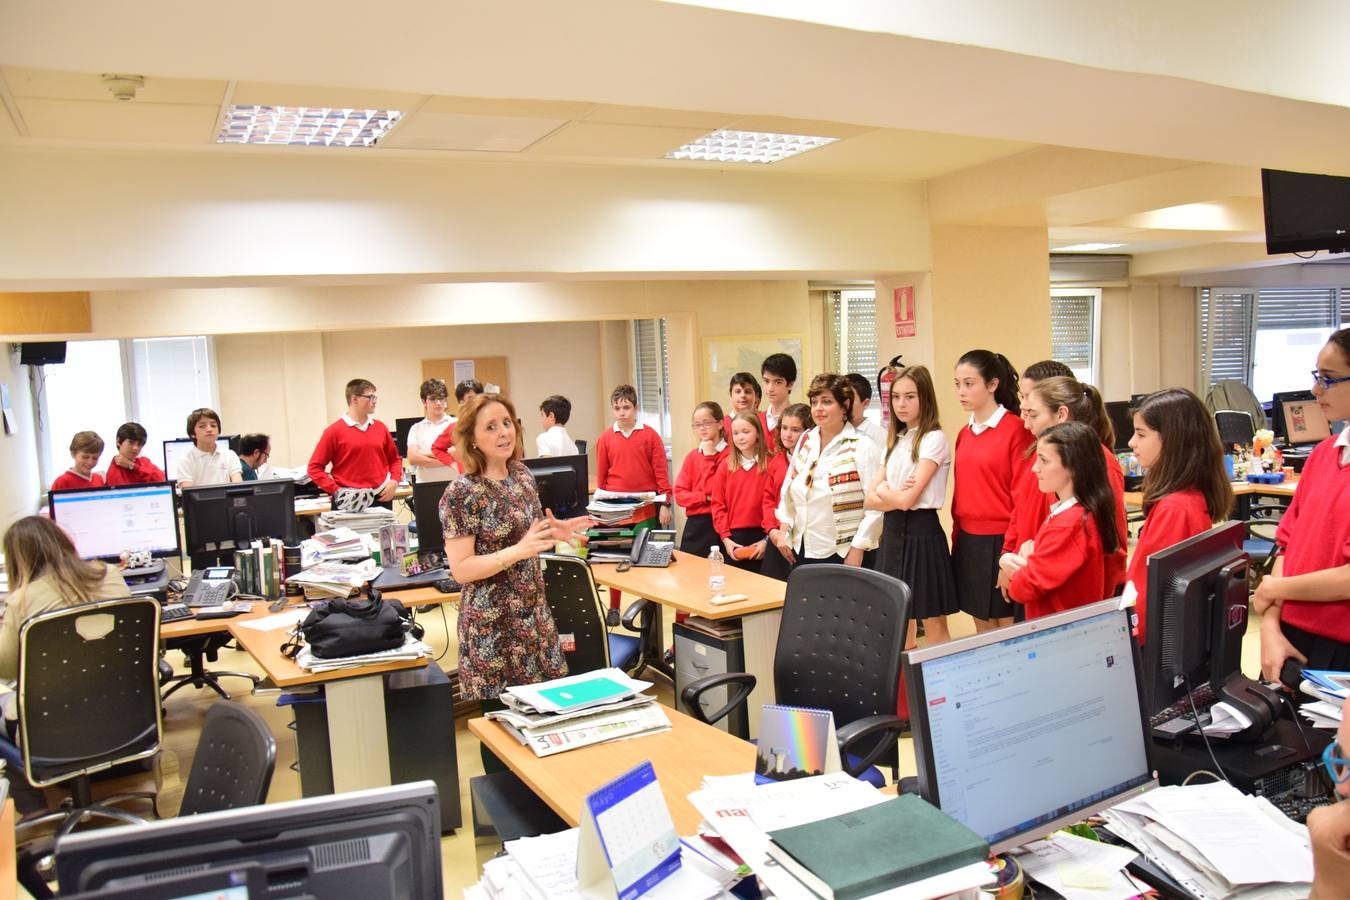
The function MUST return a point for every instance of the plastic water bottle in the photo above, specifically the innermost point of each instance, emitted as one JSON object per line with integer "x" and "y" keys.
{"x": 717, "y": 578}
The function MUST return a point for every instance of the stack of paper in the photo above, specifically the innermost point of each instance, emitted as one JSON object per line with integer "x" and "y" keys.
{"x": 412, "y": 649}
{"x": 335, "y": 579}
{"x": 1217, "y": 842}
{"x": 579, "y": 710}
{"x": 336, "y": 543}
{"x": 1330, "y": 689}
{"x": 368, "y": 521}
{"x": 1079, "y": 869}
{"x": 614, "y": 508}
{"x": 740, "y": 813}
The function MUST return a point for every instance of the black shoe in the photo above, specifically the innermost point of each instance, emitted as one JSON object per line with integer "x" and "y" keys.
{"x": 612, "y": 619}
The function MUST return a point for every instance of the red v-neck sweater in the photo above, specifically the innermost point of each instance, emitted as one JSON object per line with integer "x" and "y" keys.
{"x": 1315, "y": 534}
{"x": 988, "y": 470}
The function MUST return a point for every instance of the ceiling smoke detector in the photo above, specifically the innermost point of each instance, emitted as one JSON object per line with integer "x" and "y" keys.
{"x": 123, "y": 87}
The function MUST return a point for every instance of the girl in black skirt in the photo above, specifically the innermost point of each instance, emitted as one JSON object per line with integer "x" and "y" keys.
{"x": 738, "y": 493}
{"x": 693, "y": 486}
{"x": 910, "y": 489}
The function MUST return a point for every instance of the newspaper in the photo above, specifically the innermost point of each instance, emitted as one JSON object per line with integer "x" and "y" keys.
{"x": 598, "y": 726}
{"x": 411, "y": 649}
{"x": 335, "y": 579}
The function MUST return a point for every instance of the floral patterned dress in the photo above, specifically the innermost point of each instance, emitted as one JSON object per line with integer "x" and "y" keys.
{"x": 506, "y": 631}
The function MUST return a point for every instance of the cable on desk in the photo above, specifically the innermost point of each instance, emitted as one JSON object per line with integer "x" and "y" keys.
{"x": 1187, "y": 779}
{"x": 445, "y": 626}
{"x": 1214, "y": 759}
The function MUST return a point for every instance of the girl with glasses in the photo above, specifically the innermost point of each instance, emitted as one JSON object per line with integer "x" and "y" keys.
{"x": 1306, "y": 598}
{"x": 693, "y": 486}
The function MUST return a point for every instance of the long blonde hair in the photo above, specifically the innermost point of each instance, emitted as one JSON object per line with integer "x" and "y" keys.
{"x": 734, "y": 458}
{"x": 928, "y": 413}
{"x": 36, "y": 547}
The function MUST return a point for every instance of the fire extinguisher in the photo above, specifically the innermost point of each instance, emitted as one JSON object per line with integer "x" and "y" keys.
{"x": 884, "y": 379}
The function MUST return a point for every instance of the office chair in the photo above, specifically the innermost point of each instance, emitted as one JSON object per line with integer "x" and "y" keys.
{"x": 88, "y": 695}
{"x": 581, "y": 447}
{"x": 233, "y": 766}
{"x": 1235, "y": 427}
{"x": 1231, "y": 394}
{"x": 196, "y": 651}
{"x": 839, "y": 646}
{"x": 574, "y": 599}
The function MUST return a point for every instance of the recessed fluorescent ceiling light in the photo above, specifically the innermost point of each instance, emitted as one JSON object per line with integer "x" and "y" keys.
{"x": 748, "y": 146}
{"x": 1086, "y": 248}
{"x": 306, "y": 125}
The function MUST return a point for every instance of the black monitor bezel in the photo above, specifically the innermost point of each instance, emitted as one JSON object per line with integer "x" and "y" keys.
{"x": 1277, "y": 419}
{"x": 177, "y": 549}
{"x": 426, "y": 505}
{"x": 912, "y": 662}
{"x": 403, "y": 425}
{"x": 191, "y": 543}
{"x": 1122, "y": 443}
{"x": 580, "y": 467}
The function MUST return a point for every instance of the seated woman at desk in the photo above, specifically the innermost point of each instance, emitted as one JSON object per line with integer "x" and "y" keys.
{"x": 495, "y": 530}
{"x": 46, "y": 573}
{"x": 1306, "y": 598}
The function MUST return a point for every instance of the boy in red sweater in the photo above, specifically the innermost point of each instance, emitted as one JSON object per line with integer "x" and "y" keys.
{"x": 129, "y": 466}
{"x": 630, "y": 456}
{"x": 360, "y": 450}
{"x": 85, "y": 449}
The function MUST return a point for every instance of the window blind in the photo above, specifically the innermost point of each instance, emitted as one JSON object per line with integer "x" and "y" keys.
{"x": 653, "y": 375}
{"x": 170, "y": 378}
{"x": 853, "y": 318}
{"x": 1072, "y": 332}
{"x": 1226, "y": 334}
{"x": 1300, "y": 307}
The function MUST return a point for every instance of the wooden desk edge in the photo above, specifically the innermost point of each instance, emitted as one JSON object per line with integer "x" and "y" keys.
{"x": 268, "y": 655}
{"x": 489, "y": 733}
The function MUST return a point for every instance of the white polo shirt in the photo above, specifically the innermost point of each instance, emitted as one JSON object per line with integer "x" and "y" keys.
{"x": 422, "y": 435}
{"x": 198, "y": 468}
{"x": 555, "y": 442}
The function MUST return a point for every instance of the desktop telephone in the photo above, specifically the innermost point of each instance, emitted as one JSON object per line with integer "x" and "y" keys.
{"x": 652, "y": 548}
{"x": 210, "y": 586}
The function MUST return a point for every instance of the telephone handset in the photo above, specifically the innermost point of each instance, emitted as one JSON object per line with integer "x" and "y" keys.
{"x": 209, "y": 586}
{"x": 652, "y": 548}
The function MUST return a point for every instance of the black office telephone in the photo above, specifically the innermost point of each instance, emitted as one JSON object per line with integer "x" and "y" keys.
{"x": 210, "y": 586}
{"x": 652, "y": 548}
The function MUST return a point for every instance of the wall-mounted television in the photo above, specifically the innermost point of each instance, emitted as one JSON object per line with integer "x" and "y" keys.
{"x": 1306, "y": 212}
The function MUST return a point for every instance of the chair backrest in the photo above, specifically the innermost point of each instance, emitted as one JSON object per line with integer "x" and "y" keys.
{"x": 569, "y": 588}
{"x": 581, "y": 447}
{"x": 89, "y": 688}
{"x": 233, "y": 765}
{"x": 1235, "y": 427}
{"x": 840, "y": 641}
{"x": 1233, "y": 394}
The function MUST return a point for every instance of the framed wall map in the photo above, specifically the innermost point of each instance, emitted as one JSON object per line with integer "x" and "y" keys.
{"x": 725, "y": 356}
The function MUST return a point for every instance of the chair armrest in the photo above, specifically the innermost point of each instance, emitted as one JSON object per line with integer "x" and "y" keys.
{"x": 888, "y": 726}
{"x": 630, "y": 615}
{"x": 695, "y": 689}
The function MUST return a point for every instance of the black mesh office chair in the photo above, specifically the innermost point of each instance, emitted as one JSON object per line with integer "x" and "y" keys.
{"x": 839, "y": 646}
{"x": 88, "y": 695}
{"x": 574, "y": 599}
{"x": 233, "y": 766}
{"x": 1235, "y": 427}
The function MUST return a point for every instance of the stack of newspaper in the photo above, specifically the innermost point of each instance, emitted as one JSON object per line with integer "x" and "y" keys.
{"x": 335, "y": 579}
{"x": 1218, "y": 842}
{"x": 412, "y": 649}
{"x": 579, "y": 710}
{"x": 614, "y": 508}
{"x": 368, "y": 521}
{"x": 1330, "y": 689}
{"x": 336, "y": 543}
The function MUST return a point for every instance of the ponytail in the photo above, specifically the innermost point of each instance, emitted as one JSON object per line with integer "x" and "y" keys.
{"x": 995, "y": 366}
{"x": 1083, "y": 401}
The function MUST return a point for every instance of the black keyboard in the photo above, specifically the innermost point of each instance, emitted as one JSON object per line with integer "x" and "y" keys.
{"x": 1174, "y": 719}
{"x": 173, "y": 612}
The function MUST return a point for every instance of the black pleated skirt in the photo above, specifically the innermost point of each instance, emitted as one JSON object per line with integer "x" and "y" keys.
{"x": 975, "y": 567}
{"x": 699, "y": 535}
{"x": 914, "y": 549}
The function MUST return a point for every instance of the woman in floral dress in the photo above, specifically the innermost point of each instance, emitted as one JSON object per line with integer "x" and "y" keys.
{"x": 495, "y": 530}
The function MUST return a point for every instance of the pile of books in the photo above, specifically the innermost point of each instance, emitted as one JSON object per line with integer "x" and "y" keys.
{"x": 335, "y": 579}
{"x": 613, "y": 508}
{"x": 1330, "y": 690}
{"x": 260, "y": 568}
{"x": 580, "y": 710}
{"x": 835, "y": 836}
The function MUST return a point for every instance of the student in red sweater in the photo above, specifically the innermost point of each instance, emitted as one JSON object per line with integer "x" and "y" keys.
{"x": 693, "y": 486}
{"x": 443, "y": 447}
{"x": 738, "y": 493}
{"x": 129, "y": 466}
{"x": 1064, "y": 565}
{"x": 1051, "y": 401}
{"x": 1186, "y": 488}
{"x": 630, "y": 456}
{"x": 1306, "y": 598}
{"x": 988, "y": 464}
{"x": 359, "y": 453}
{"x": 792, "y": 424}
{"x": 85, "y": 449}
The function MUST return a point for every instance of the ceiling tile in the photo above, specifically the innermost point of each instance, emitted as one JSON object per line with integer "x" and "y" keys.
{"x": 53, "y": 85}
{"x": 82, "y": 120}
{"x": 615, "y": 141}
{"x": 447, "y": 131}
{"x": 253, "y": 93}
{"x": 895, "y": 154}
{"x": 666, "y": 118}
{"x": 486, "y": 106}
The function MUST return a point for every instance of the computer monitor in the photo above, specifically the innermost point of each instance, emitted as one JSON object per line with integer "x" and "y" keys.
{"x": 1197, "y": 615}
{"x": 374, "y": 844}
{"x": 174, "y": 450}
{"x": 103, "y": 522}
{"x": 401, "y": 428}
{"x": 220, "y": 517}
{"x": 1298, "y": 419}
{"x": 427, "y": 503}
{"x": 563, "y": 482}
{"x": 241, "y": 883}
{"x": 1122, "y": 420}
{"x": 1025, "y": 729}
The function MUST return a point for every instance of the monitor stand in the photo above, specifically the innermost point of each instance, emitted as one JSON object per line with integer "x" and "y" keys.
{"x": 148, "y": 580}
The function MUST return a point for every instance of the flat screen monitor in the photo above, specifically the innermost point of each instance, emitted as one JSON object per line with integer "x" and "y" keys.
{"x": 1305, "y": 211}
{"x": 562, "y": 483}
{"x": 427, "y": 503}
{"x": 401, "y": 428}
{"x": 1197, "y": 614}
{"x": 105, "y": 521}
{"x": 375, "y": 844}
{"x": 174, "y": 450}
{"x": 227, "y": 516}
{"x": 1025, "y": 729}
{"x": 242, "y": 883}
{"x": 1122, "y": 421}
{"x": 1298, "y": 418}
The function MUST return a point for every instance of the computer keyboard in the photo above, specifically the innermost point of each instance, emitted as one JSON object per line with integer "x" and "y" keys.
{"x": 1181, "y": 716}
{"x": 173, "y": 612}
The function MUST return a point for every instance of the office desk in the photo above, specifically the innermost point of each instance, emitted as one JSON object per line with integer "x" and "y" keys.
{"x": 1243, "y": 490}
{"x": 681, "y": 757}
{"x": 683, "y": 585}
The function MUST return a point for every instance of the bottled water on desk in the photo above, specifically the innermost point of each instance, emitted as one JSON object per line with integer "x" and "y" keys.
{"x": 717, "y": 579}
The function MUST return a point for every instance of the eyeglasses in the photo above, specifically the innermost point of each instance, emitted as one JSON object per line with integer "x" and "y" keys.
{"x": 708, "y": 424}
{"x": 371, "y": 397}
{"x": 1325, "y": 382}
{"x": 1338, "y": 767}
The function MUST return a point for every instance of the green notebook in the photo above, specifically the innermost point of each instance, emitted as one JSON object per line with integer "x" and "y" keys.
{"x": 876, "y": 848}
{"x": 584, "y": 692}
